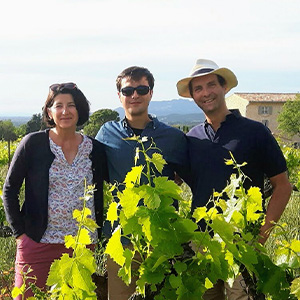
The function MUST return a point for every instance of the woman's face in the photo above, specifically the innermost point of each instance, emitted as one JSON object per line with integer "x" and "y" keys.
{"x": 64, "y": 112}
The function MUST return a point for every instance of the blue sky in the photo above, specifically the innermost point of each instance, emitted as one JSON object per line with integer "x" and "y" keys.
{"x": 91, "y": 41}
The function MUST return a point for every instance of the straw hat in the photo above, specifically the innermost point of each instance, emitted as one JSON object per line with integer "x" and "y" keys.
{"x": 204, "y": 67}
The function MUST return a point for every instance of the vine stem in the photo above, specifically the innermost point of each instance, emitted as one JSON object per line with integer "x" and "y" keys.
{"x": 81, "y": 220}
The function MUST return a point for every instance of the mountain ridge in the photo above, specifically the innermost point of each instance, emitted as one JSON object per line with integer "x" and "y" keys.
{"x": 172, "y": 112}
{"x": 175, "y": 111}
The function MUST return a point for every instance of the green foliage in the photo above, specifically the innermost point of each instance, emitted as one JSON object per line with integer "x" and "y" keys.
{"x": 35, "y": 124}
{"x": 289, "y": 117}
{"x": 21, "y": 130}
{"x": 97, "y": 119}
{"x": 7, "y": 257}
{"x": 8, "y": 134}
{"x": 161, "y": 237}
{"x": 2, "y": 212}
{"x": 7, "y": 131}
{"x": 70, "y": 277}
{"x": 4, "y": 152}
{"x": 292, "y": 157}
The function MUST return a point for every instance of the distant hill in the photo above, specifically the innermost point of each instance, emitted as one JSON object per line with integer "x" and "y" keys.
{"x": 17, "y": 121}
{"x": 172, "y": 112}
{"x": 182, "y": 119}
{"x": 176, "y": 111}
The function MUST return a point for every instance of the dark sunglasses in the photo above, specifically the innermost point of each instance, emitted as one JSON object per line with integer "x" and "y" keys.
{"x": 56, "y": 87}
{"x": 141, "y": 90}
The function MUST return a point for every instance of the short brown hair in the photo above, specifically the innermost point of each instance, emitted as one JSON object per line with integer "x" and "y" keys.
{"x": 135, "y": 73}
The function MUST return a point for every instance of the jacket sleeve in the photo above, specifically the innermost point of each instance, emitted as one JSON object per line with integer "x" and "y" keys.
{"x": 11, "y": 190}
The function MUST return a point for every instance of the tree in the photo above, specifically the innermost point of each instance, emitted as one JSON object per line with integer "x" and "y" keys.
{"x": 289, "y": 117}
{"x": 98, "y": 118}
{"x": 8, "y": 134}
{"x": 21, "y": 130}
{"x": 35, "y": 123}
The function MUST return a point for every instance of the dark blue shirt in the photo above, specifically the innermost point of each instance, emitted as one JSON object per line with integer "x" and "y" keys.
{"x": 248, "y": 140}
{"x": 169, "y": 141}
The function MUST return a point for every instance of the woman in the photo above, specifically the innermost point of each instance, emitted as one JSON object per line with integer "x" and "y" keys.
{"x": 54, "y": 164}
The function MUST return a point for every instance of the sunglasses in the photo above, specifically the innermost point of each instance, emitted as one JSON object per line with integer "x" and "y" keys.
{"x": 56, "y": 87}
{"x": 141, "y": 90}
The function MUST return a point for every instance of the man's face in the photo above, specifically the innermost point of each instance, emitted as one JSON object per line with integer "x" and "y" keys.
{"x": 208, "y": 94}
{"x": 135, "y": 105}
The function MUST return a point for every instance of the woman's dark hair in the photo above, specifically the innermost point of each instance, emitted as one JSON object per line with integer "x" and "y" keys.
{"x": 81, "y": 103}
{"x": 135, "y": 73}
{"x": 221, "y": 80}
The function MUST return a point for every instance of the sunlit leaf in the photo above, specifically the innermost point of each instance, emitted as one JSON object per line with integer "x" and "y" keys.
{"x": 133, "y": 176}
{"x": 70, "y": 241}
{"x": 114, "y": 247}
{"x": 200, "y": 213}
{"x": 295, "y": 287}
{"x": 295, "y": 246}
{"x": 129, "y": 200}
{"x": 158, "y": 161}
{"x": 112, "y": 213}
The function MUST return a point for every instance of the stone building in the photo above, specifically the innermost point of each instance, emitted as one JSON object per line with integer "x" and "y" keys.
{"x": 262, "y": 107}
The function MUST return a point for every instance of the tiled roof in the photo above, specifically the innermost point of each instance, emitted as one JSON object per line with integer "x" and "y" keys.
{"x": 267, "y": 97}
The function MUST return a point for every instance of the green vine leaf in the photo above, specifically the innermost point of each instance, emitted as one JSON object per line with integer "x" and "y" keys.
{"x": 133, "y": 177}
{"x": 166, "y": 187}
{"x": 150, "y": 196}
{"x": 129, "y": 200}
{"x": 158, "y": 161}
{"x": 114, "y": 247}
{"x": 295, "y": 287}
{"x": 112, "y": 213}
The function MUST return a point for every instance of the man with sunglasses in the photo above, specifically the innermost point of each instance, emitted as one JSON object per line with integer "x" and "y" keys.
{"x": 135, "y": 90}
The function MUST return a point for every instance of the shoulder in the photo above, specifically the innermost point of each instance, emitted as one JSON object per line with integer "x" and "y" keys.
{"x": 163, "y": 126}
{"x": 250, "y": 122}
{"x": 97, "y": 154}
{"x": 33, "y": 145}
{"x": 108, "y": 127}
{"x": 96, "y": 144}
{"x": 197, "y": 131}
{"x": 111, "y": 124}
{"x": 255, "y": 126}
{"x": 35, "y": 137}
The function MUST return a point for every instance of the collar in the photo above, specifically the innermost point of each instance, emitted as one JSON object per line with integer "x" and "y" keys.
{"x": 153, "y": 123}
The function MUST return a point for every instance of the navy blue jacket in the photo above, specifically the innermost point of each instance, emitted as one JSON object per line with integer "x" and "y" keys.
{"x": 248, "y": 140}
{"x": 32, "y": 161}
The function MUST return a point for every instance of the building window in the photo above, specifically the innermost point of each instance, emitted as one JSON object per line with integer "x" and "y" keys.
{"x": 265, "y": 122}
{"x": 265, "y": 110}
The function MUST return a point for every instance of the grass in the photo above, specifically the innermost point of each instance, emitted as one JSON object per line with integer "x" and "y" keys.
{"x": 7, "y": 259}
{"x": 291, "y": 216}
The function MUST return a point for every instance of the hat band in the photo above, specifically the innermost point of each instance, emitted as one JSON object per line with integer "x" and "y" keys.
{"x": 201, "y": 71}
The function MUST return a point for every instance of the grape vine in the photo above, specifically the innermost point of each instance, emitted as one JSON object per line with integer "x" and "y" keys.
{"x": 70, "y": 277}
{"x": 163, "y": 239}
{"x": 176, "y": 260}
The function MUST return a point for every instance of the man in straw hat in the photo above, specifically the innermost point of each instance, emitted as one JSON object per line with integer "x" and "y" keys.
{"x": 248, "y": 140}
